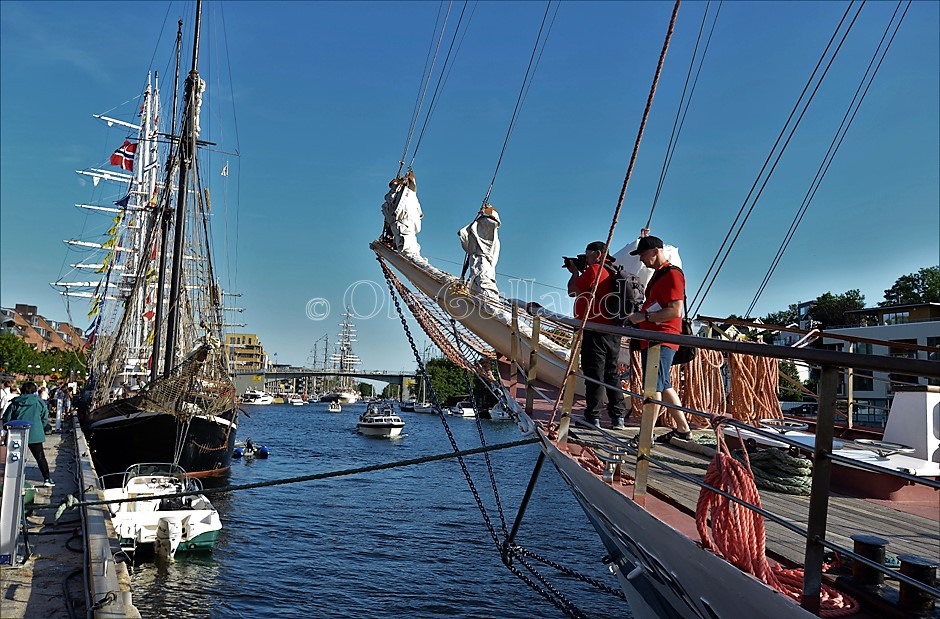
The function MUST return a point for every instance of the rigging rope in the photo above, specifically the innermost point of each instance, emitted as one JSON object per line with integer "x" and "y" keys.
{"x": 438, "y": 87}
{"x": 578, "y": 334}
{"x": 834, "y": 146}
{"x": 680, "y": 113}
{"x": 726, "y": 247}
{"x": 524, "y": 88}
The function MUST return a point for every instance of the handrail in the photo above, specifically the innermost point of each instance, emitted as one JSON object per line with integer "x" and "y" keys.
{"x": 920, "y": 367}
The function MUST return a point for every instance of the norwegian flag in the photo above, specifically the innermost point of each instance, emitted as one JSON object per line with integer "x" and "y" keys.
{"x": 124, "y": 156}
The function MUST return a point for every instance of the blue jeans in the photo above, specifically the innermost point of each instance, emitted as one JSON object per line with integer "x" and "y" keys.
{"x": 663, "y": 380}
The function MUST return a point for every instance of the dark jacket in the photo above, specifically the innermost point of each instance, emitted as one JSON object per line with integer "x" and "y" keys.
{"x": 29, "y": 407}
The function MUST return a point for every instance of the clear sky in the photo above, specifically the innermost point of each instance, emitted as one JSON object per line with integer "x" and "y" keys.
{"x": 323, "y": 94}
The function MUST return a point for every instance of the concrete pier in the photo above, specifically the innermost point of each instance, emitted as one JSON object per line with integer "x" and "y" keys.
{"x": 71, "y": 569}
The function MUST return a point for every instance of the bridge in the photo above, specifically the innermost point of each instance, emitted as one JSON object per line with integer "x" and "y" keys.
{"x": 257, "y": 379}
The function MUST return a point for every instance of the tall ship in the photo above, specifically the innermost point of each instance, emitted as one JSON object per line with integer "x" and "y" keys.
{"x": 159, "y": 386}
{"x": 686, "y": 532}
{"x": 346, "y": 361}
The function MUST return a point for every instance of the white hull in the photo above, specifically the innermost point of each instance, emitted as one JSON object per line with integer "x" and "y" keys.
{"x": 662, "y": 572}
{"x": 380, "y": 430}
{"x": 257, "y": 398}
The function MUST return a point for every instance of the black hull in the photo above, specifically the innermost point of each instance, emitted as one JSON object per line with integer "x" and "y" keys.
{"x": 120, "y": 435}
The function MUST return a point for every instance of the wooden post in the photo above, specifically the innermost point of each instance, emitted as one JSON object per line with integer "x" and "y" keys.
{"x": 533, "y": 364}
{"x": 850, "y": 388}
{"x": 819, "y": 496}
{"x": 514, "y": 353}
{"x": 567, "y": 400}
{"x": 650, "y": 374}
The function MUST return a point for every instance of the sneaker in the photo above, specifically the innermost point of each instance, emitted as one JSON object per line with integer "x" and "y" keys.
{"x": 667, "y": 437}
{"x": 48, "y": 483}
{"x": 594, "y": 422}
{"x": 618, "y": 424}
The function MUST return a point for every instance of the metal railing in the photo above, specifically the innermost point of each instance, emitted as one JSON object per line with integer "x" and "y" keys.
{"x": 830, "y": 362}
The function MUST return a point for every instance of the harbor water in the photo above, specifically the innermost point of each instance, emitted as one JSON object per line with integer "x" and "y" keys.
{"x": 406, "y": 542}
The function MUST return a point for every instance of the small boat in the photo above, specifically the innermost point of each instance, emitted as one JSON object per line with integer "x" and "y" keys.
{"x": 408, "y": 406}
{"x": 463, "y": 409}
{"x": 249, "y": 450}
{"x": 380, "y": 422}
{"x": 257, "y": 397}
{"x": 168, "y": 525}
{"x": 335, "y": 407}
{"x": 425, "y": 408}
{"x": 295, "y": 400}
{"x": 498, "y": 412}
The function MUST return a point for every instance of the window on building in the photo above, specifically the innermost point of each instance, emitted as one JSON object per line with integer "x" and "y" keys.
{"x": 933, "y": 355}
{"x": 902, "y": 380}
{"x": 896, "y": 318}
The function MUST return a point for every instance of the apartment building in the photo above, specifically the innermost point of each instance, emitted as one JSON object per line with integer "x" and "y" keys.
{"x": 40, "y": 333}
{"x": 245, "y": 351}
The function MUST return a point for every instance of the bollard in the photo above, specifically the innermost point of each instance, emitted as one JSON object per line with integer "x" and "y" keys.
{"x": 872, "y": 548}
{"x": 11, "y": 511}
{"x": 912, "y": 599}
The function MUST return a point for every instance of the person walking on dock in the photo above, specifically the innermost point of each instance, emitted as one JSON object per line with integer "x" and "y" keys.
{"x": 29, "y": 407}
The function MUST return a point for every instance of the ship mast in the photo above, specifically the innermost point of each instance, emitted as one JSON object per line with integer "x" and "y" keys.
{"x": 186, "y": 161}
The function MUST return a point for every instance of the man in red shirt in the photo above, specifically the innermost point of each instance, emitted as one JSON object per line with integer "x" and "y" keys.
{"x": 662, "y": 311}
{"x": 600, "y": 352}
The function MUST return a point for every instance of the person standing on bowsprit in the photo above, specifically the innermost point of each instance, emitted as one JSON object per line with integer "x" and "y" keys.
{"x": 662, "y": 311}
{"x": 600, "y": 352}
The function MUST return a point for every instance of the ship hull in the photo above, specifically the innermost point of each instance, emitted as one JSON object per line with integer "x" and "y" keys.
{"x": 120, "y": 435}
{"x": 664, "y": 573}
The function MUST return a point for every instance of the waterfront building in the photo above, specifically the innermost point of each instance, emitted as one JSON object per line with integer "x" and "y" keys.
{"x": 40, "y": 333}
{"x": 245, "y": 351}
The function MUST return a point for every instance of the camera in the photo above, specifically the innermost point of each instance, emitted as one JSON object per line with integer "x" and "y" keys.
{"x": 580, "y": 262}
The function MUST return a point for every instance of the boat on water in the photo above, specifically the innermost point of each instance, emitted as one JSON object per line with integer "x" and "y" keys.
{"x": 464, "y": 408}
{"x": 295, "y": 400}
{"x": 425, "y": 408}
{"x": 380, "y": 421}
{"x": 408, "y": 406}
{"x": 160, "y": 386}
{"x": 257, "y": 398}
{"x": 165, "y": 525}
{"x": 334, "y": 407}
{"x": 686, "y": 531}
{"x": 249, "y": 450}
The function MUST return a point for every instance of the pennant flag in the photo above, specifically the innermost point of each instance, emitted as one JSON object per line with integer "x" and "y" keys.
{"x": 110, "y": 243}
{"x": 113, "y": 229}
{"x": 105, "y": 263}
{"x": 91, "y": 333}
{"x": 123, "y": 201}
{"x": 94, "y": 308}
{"x": 124, "y": 156}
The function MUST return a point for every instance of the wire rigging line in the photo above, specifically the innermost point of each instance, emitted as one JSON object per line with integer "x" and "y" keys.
{"x": 426, "y": 73}
{"x": 680, "y": 113}
{"x": 450, "y": 68}
{"x": 847, "y": 120}
{"x": 578, "y": 334}
{"x": 438, "y": 88}
{"x": 725, "y": 249}
{"x": 532, "y": 67}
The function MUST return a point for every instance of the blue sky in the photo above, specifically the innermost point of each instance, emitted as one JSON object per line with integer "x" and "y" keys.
{"x": 323, "y": 94}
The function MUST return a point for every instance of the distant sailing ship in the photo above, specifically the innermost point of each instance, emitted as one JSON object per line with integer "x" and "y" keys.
{"x": 159, "y": 387}
{"x": 344, "y": 360}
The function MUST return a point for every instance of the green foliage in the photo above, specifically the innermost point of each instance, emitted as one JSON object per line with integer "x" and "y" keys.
{"x": 449, "y": 380}
{"x": 391, "y": 391}
{"x": 783, "y": 317}
{"x": 15, "y": 354}
{"x": 366, "y": 390}
{"x": 786, "y": 391}
{"x": 920, "y": 287}
{"x": 829, "y": 310}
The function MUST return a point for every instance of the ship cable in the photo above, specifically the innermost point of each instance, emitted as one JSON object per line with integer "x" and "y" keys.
{"x": 847, "y": 119}
{"x": 578, "y": 334}
{"x": 537, "y": 581}
{"x": 680, "y": 112}
{"x": 785, "y": 136}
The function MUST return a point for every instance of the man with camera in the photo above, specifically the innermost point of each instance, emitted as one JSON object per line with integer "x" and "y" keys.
{"x": 600, "y": 352}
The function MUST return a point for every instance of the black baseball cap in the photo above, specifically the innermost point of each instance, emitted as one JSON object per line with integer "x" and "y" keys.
{"x": 596, "y": 246}
{"x": 647, "y": 242}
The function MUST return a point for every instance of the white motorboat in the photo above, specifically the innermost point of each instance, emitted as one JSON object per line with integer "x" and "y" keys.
{"x": 425, "y": 408}
{"x": 498, "y": 412}
{"x": 169, "y": 525}
{"x": 257, "y": 397}
{"x": 380, "y": 422}
{"x": 295, "y": 400}
{"x": 334, "y": 407}
{"x": 463, "y": 409}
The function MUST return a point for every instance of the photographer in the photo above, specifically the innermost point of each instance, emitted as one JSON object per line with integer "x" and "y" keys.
{"x": 600, "y": 352}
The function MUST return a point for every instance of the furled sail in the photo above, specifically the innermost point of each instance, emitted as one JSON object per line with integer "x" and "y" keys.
{"x": 480, "y": 240}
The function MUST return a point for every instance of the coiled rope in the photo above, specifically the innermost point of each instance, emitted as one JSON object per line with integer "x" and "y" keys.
{"x": 738, "y": 535}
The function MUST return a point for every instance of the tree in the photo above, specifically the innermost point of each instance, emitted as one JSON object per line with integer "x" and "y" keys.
{"x": 783, "y": 317}
{"x": 829, "y": 310}
{"x": 15, "y": 354}
{"x": 920, "y": 287}
{"x": 391, "y": 391}
{"x": 366, "y": 390}
{"x": 787, "y": 391}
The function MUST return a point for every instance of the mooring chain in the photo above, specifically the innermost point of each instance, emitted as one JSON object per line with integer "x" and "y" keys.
{"x": 552, "y": 594}
{"x": 479, "y": 423}
{"x": 437, "y": 405}
{"x": 567, "y": 571}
